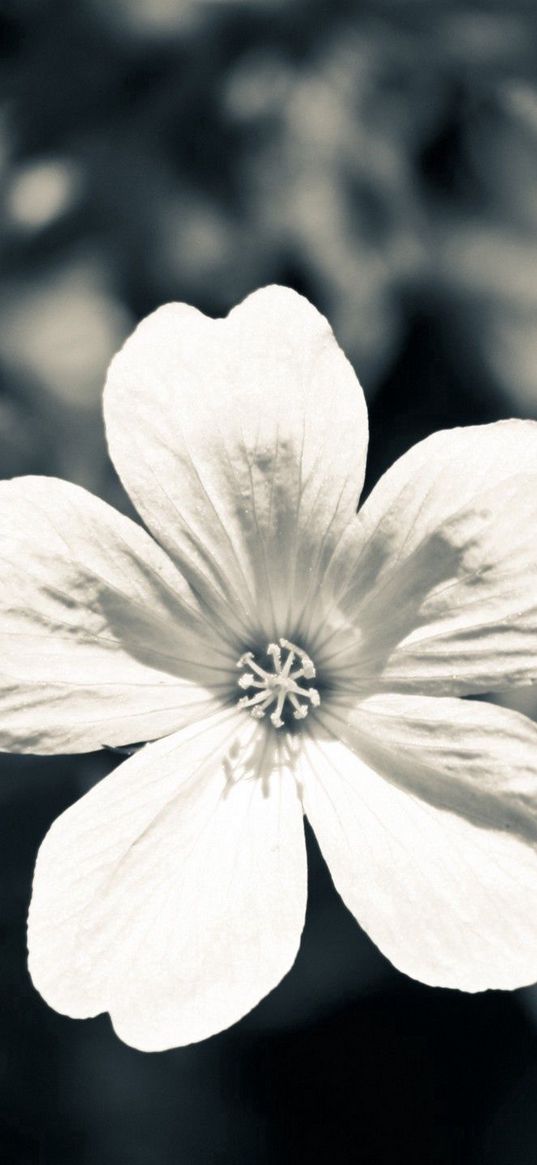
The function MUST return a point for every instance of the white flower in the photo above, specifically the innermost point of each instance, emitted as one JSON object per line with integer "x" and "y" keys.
{"x": 173, "y": 893}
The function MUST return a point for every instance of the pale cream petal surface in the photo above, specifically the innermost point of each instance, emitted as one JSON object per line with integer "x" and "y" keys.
{"x": 426, "y": 813}
{"x": 173, "y": 894}
{"x": 242, "y": 442}
{"x": 434, "y": 587}
{"x": 101, "y": 641}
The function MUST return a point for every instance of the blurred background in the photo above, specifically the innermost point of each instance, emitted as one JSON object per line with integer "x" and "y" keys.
{"x": 381, "y": 157}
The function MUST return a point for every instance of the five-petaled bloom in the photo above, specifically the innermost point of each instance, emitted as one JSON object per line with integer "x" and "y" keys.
{"x": 282, "y": 655}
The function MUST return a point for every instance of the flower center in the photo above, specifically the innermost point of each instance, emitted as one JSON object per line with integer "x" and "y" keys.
{"x": 283, "y": 686}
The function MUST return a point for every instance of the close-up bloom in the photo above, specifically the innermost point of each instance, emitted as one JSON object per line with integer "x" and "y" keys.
{"x": 280, "y": 655}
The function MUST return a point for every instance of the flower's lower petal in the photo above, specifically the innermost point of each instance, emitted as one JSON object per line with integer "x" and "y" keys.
{"x": 242, "y": 443}
{"x": 437, "y": 580}
{"x": 101, "y": 641}
{"x": 173, "y": 894}
{"x": 426, "y": 815}
{"x": 469, "y": 756}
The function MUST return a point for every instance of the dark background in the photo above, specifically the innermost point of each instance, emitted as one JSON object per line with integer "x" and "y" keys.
{"x": 382, "y": 158}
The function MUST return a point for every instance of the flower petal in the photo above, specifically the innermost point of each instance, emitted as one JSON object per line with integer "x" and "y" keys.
{"x": 426, "y": 813}
{"x": 242, "y": 443}
{"x": 173, "y": 894}
{"x": 101, "y": 641}
{"x": 437, "y": 579}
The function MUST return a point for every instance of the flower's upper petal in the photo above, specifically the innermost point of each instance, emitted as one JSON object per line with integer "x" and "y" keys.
{"x": 101, "y": 642}
{"x": 426, "y": 812}
{"x": 173, "y": 894}
{"x": 242, "y": 443}
{"x": 437, "y": 579}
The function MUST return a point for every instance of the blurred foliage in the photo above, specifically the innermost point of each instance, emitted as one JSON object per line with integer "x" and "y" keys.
{"x": 381, "y": 157}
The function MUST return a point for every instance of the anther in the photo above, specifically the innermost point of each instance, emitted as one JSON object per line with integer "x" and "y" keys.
{"x": 281, "y": 684}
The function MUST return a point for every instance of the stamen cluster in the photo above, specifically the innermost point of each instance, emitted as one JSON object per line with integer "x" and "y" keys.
{"x": 280, "y": 684}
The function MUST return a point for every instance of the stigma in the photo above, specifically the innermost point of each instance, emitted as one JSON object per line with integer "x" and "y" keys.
{"x": 285, "y": 687}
